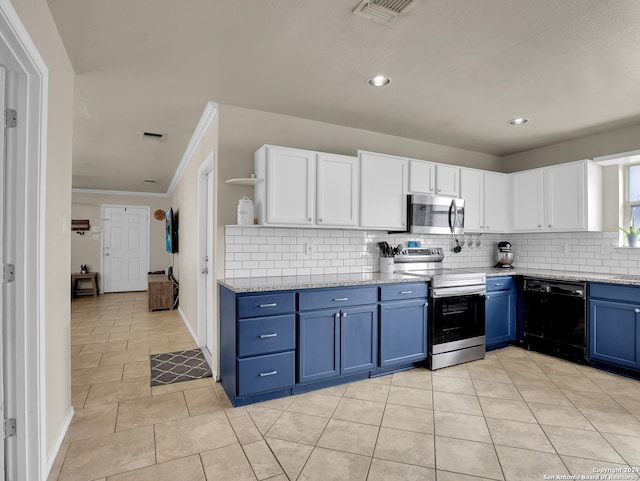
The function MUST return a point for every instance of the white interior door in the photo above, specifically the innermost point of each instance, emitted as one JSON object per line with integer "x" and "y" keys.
{"x": 3, "y": 316}
{"x": 125, "y": 250}
{"x": 210, "y": 274}
{"x": 207, "y": 326}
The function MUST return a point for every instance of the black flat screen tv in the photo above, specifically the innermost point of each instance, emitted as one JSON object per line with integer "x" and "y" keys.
{"x": 171, "y": 231}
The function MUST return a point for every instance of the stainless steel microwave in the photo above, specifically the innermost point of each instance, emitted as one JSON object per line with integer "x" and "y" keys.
{"x": 433, "y": 214}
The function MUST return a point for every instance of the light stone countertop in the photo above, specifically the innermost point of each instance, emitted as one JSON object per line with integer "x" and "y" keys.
{"x": 285, "y": 283}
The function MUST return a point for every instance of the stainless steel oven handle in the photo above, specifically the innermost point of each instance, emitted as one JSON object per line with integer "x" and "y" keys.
{"x": 458, "y": 291}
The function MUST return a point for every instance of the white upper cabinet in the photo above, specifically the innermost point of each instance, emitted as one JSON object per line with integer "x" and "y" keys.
{"x": 305, "y": 188}
{"x": 573, "y": 196}
{"x": 337, "y": 190}
{"x": 287, "y": 195}
{"x": 383, "y": 191}
{"x": 447, "y": 180}
{"x": 422, "y": 177}
{"x": 563, "y": 197}
{"x": 486, "y": 200}
{"x": 497, "y": 202}
{"x": 528, "y": 203}
{"x": 472, "y": 191}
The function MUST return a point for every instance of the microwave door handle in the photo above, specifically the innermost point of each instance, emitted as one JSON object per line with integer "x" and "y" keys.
{"x": 452, "y": 210}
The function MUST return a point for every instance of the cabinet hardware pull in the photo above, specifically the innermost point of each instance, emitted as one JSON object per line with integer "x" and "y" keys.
{"x": 338, "y": 299}
{"x": 344, "y": 314}
{"x": 310, "y": 219}
{"x": 337, "y": 315}
{"x": 270, "y": 373}
{"x": 498, "y": 284}
{"x": 320, "y": 219}
{"x": 268, "y": 305}
{"x": 265, "y": 336}
{"x": 636, "y": 310}
{"x": 406, "y": 292}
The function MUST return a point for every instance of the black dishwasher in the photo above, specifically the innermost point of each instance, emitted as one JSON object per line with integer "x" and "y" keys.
{"x": 554, "y": 318}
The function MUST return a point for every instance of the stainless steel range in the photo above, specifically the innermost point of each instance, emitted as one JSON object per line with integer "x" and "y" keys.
{"x": 456, "y": 306}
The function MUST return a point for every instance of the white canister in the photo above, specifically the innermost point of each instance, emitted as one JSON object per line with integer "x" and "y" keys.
{"x": 386, "y": 265}
{"x": 245, "y": 211}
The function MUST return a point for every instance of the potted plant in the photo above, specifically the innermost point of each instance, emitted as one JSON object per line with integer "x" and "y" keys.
{"x": 633, "y": 234}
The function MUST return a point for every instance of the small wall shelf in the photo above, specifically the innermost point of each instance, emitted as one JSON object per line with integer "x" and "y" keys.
{"x": 253, "y": 180}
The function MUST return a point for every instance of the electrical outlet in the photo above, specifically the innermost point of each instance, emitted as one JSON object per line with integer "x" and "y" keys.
{"x": 308, "y": 248}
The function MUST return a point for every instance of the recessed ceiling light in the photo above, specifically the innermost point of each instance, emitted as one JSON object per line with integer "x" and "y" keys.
{"x": 518, "y": 121}
{"x": 379, "y": 81}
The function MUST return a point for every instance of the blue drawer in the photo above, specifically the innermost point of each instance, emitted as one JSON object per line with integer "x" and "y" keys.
{"x": 405, "y": 290}
{"x": 328, "y": 298}
{"x": 263, "y": 335}
{"x": 499, "y": 283}
{"x": 617, "y": 292}
{"x": 266, "y": 373}
{"x": 266, "y": 304}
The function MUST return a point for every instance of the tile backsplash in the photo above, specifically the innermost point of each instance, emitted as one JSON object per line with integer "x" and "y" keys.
{"x": 255, "y": 251}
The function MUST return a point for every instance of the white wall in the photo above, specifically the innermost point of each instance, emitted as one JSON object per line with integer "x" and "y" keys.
{"x": 36, "y": 17}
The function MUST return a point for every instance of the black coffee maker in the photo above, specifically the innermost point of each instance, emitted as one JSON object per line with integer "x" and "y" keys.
{"x": 505, "y": 255}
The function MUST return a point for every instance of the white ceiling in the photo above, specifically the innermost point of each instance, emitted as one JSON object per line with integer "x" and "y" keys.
{"x": 460, "y": 68}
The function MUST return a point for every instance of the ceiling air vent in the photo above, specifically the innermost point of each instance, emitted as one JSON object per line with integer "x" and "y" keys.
{"x": 154, "y": 136}
{"x": 384, "y": 11}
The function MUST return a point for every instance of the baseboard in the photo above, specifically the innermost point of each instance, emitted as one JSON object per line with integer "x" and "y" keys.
{"x": 51, "y": 458}
{"x": 186, "y": 323}
{"x": 195, "y": 339}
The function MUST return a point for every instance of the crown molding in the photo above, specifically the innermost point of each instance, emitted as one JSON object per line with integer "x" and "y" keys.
{"x": 208, "y": 116}
{"x": 119, "y": 192}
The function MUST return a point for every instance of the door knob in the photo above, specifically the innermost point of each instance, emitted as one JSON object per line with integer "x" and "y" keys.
{"x": 636, "y": 310}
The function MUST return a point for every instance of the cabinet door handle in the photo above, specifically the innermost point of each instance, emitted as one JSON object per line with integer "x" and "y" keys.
{"x": 406, "y": 292}
{"x": 488, "y": 297}
{"x": 270, "y": 373}
{"x": 320, "y": 219}
{"x": 268, "y": 305}
{"x": 266, "y": 336}
{"x": 339, "y": 299}
{"x": 636, "y": 310}
{"x": 310, "y": 219}
{"x": 344, "y": 314}
{"x": 498, "y": 284}
{"x": 337, "y": 315}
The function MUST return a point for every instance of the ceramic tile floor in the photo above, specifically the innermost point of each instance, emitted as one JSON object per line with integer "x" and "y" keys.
{"x": 515, "y": 415}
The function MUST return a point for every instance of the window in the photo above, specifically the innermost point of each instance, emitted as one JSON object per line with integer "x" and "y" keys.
{"x": 632, "y": 201}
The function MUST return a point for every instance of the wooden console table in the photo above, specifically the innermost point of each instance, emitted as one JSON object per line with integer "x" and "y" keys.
{"x": 77, "y": 277}
{"x": 160, "y": 290}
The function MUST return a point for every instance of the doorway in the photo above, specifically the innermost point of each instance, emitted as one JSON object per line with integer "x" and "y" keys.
{"x": 207, "y": 336}
{"x": 125, "y": 248}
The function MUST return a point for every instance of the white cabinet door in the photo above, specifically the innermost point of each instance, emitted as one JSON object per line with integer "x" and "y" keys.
{"x": 383, "y": 191}
{"x": 471, "y": 190}
{"x": 337, "y": 187}
{"x": 528, "y": 205}
{"x": 497, "y": 202}
{"x": 564, "y": 186}
{"x": 290, "y": 186}
{"x": 422, "y": 177}
{"x": 447, "y": 180}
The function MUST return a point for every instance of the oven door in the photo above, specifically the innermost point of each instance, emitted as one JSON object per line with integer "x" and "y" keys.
{"x": 456, "y": 322}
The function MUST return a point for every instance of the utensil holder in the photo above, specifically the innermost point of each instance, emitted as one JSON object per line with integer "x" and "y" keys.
{"x": 386, "y": 265}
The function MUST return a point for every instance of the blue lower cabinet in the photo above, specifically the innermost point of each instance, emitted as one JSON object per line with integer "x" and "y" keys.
{"x": 403, "y": 332}
{"x": 266, "y": 373}
{"x": 500, "y": 312}
{"x": 614, "y": 335}
{"x": 318, "y": 345}
{"x": 358, "y": 339}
